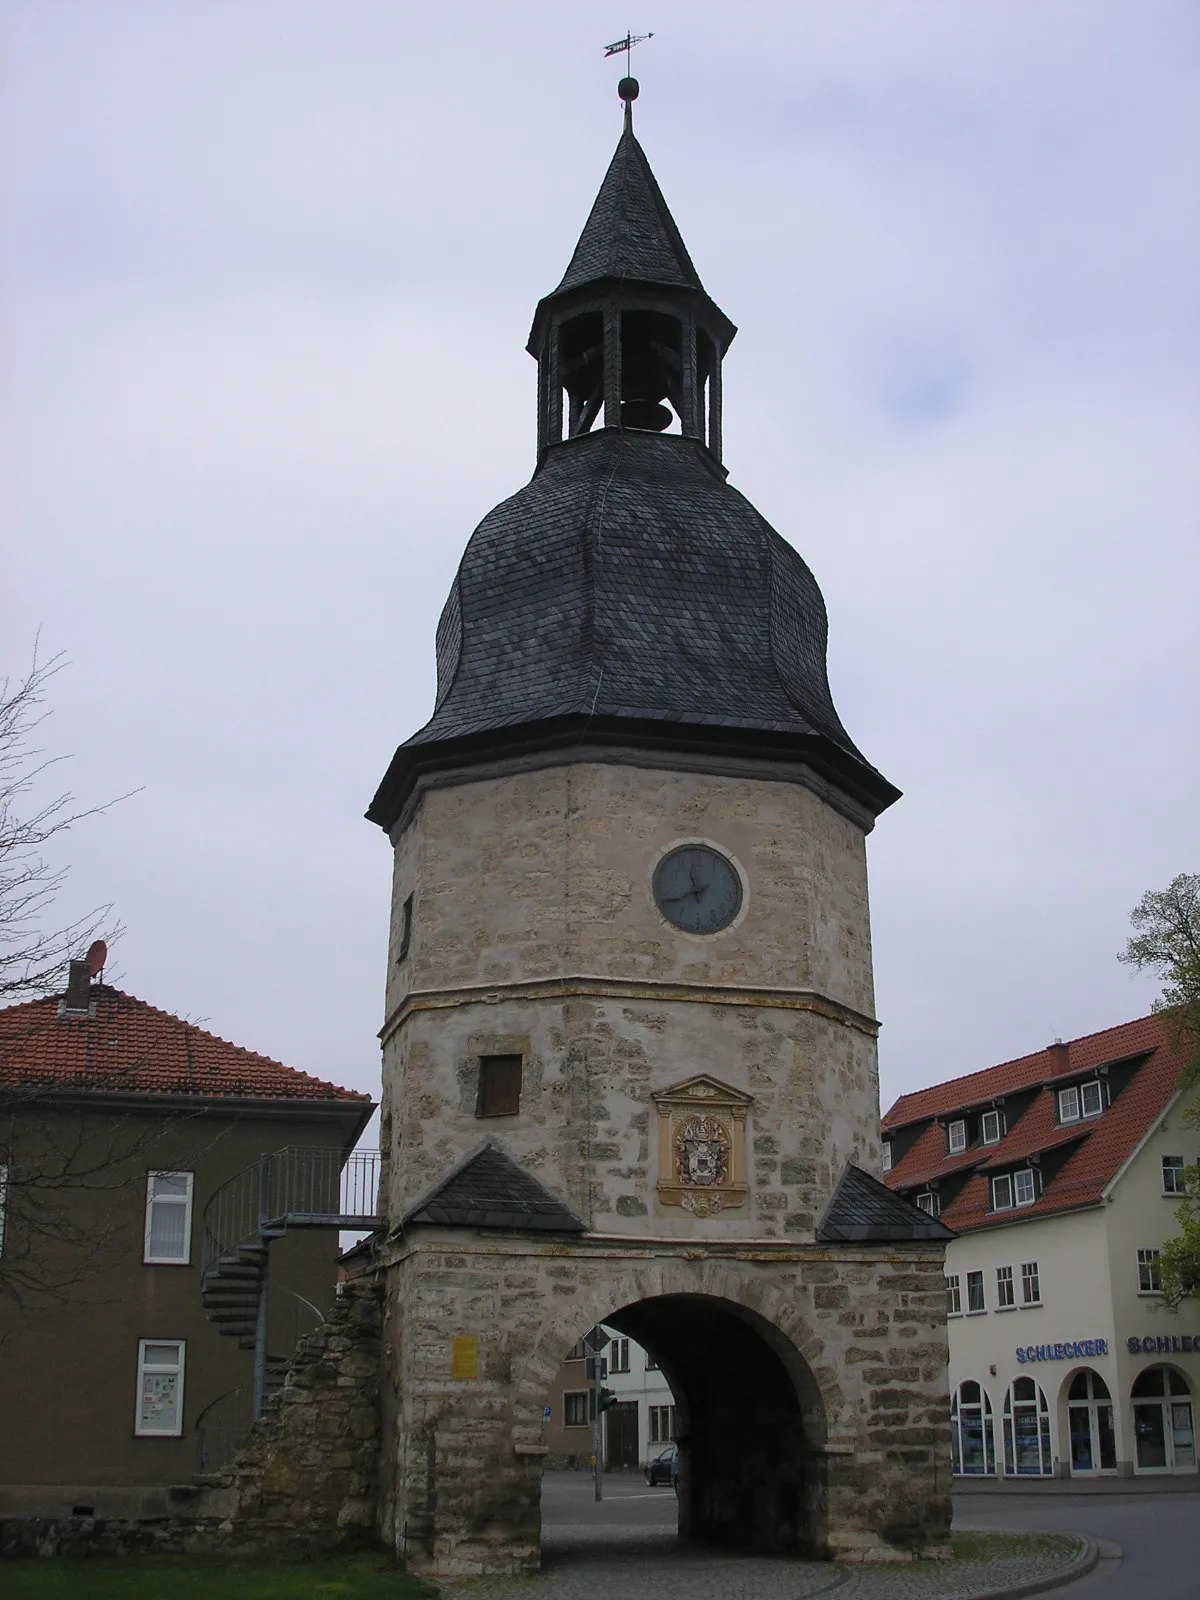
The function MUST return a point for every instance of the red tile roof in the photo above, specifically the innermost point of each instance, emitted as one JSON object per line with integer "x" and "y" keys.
{"x": 1103, "y": 1143}
{"x": 129, "y": 1047}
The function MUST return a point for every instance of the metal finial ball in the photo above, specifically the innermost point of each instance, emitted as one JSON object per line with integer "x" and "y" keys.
{"x": 628, "y": 89}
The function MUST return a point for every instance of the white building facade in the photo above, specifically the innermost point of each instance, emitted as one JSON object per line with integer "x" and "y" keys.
{"x": 1061, "y": 1175}
{"x": 634, "y": 1377}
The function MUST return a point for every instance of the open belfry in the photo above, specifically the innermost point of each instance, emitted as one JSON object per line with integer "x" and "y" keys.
{"x": 629, "y": 1056}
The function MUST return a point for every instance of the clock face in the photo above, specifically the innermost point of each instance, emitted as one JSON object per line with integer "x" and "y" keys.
{"x": 697, "y": 889}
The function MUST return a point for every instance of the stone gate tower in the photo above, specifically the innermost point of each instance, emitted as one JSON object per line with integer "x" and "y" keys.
{"x": 629, "y": 1056}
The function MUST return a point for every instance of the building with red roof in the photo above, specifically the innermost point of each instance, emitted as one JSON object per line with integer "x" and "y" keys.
{"x": 122, "y": 1126}
{"x": 1060, "y": 1174}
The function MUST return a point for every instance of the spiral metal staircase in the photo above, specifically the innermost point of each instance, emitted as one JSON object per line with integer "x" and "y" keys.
{"x": 297, "y": 1187}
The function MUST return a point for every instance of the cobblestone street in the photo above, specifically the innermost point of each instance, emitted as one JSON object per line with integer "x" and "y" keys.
{"x": 625, "y": 1548}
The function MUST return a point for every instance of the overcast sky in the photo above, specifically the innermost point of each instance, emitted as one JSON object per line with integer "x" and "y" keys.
{"x": 268, "y": 271}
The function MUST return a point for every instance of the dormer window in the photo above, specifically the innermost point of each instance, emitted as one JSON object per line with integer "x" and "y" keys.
{"x": 1081, "y": 1101}
{"x": 887, "y": 1155}
{"x": 956, "y": 1135}
{"x": 991, "y": 1127}
{"x": 1014, "y": 1189}
{"x": 928, "y": 1201}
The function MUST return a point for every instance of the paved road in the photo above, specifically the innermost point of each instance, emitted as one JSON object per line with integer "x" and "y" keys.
{"x": 1159, "y": 1533}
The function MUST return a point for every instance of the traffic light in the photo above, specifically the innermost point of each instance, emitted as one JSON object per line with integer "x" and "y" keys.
{"x": 608, "y": 1399}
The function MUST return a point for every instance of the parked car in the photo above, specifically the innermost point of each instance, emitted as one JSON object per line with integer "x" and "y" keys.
{"x": 662, "y": 1468}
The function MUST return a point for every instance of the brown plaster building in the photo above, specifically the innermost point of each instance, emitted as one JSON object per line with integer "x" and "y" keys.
{"x": 119, "y": 1124}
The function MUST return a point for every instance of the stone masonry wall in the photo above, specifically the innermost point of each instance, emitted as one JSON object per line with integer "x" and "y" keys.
{"x": 306, "y": 1478}
{"x": 860, "y": 1330}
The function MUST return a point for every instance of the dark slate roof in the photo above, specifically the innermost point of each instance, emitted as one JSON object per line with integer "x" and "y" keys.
{"x": 629, "y": 232}
{"x": 492, "y": 1191}
{"x": 865, "y": 1211}
{"x": 629, "y": 584}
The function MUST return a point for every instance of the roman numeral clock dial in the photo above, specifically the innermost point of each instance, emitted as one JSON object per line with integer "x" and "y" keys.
{"x": 697, "y": 889}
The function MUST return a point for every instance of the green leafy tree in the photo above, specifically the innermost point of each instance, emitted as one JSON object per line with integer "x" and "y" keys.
{"x": 1166, "y": 941}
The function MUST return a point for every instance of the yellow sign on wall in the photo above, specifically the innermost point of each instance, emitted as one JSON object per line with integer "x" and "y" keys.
{"x": 464, "y": 1356}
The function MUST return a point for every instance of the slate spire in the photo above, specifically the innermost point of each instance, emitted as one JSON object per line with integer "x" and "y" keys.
{"x": 630, "y": 232}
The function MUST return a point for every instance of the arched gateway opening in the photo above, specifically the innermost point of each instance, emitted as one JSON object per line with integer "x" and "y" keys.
{"x": 749, "y": 1422}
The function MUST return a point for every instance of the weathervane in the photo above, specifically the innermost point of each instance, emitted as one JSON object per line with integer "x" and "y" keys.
{"x": 628, "y": 86}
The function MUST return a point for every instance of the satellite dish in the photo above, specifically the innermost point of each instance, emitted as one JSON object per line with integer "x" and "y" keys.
{"x": 96, "y": 957}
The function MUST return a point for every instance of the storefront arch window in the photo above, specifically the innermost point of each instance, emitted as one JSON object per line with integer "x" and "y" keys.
{"x": 1164, "y": 1425}
{"x": 972, "y": 1435}
{"x": 1090, "y": 1423}
{"x": 1026, "y": 1431}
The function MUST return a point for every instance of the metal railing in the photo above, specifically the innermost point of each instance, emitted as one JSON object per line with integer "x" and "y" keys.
{"x": 228, "y": 1419}
{"x": 298, "y": 1186}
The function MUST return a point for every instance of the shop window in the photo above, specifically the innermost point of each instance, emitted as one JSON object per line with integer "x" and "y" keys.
{"x": 662, "y": 1424}
{"x": 928, "y": 1201}
{"x": 1090, "y": 1424}
{"x": 1006, "y": 1295}
{"x": 953, "y": 1297}
{"x": 957, "y": 1137}
{"x": 160, "y": 1388}
{"x": 499, "y": 1086}
{"x": 1149, "y": 1272}
{"x": 168, "y": 1233}
{"x": 975, "y": 1301}
{"x": 887, "y": 1155}
{"x": 991, "y": 1127}
{"x": 972, "y": 1437}
{"x": 1163, "y": 1422}
{"x": 1031, "y": 1284}
{"x": 1172, "y": 1174}
{"x": 1026, "y": 1431}
{"x": 577, "y": 1409}
{"x": 1024, "y": 1187}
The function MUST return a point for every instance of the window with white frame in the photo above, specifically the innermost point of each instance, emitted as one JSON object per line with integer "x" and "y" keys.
{"x": 1031, "y": 1284}
{"x": 956, "y": 1135}
{"x": 1172, "y": 1171}
{"x": 1024, "y": 1187}
{"x": 1002, "y": 1193}
{"x": 975, "y": 1301}
{"x": 953, "y": 1296}
{"x": 991, "y": 1127}
{"x": 168, "y": 1237}
{"x": 1068, "y": 1105}
{"x": 1091, "y": 1098}
{"x": 1149, "y": 1272}
{"x": 887, "y": 1155}
{"x": 928, "y": 1201}
{"x": 160, "y": 1388}
{"x": 618, "y": 1356}
{"x": 662, "y": 1424}
{"x": 1006, "y": 1295}
{"x": 576, "y": 1409}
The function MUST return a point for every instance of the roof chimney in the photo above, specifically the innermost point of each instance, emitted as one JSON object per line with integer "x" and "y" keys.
{"x": 79, "y": 991}
{"x": 1060, "y": 1058}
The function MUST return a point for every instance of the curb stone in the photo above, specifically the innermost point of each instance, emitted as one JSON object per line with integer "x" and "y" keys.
{"x": 1088, "y": 1557}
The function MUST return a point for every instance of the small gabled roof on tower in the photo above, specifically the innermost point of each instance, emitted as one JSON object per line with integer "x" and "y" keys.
{"x": 630, "y": 232}
{"x": 490, "y": 1190}
{"x": 863, "y": 1211}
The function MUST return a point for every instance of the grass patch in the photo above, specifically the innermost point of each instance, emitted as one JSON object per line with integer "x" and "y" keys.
{"x": 363, "y": 1577}
{"x": 1011, "y": 1547}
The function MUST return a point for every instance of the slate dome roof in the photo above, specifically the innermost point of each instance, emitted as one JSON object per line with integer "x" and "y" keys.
{"x": 627, "y": 594}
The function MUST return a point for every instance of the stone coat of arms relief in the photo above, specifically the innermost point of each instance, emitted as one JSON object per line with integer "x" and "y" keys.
{"x": 702, "y": 1146}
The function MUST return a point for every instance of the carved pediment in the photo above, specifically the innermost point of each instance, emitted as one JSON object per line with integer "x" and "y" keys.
{"x": 703, "y": 1088}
